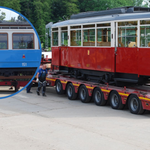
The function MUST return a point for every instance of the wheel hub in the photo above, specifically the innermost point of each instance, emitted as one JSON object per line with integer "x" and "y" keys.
{"x": 69, "y": 91}
{"x": 58, "y": 86}
{"x": 83, "y": 93}
{"x": 134, "y": 104}
{"x": 115, "y": 100}
{"x": 98, "y": 96}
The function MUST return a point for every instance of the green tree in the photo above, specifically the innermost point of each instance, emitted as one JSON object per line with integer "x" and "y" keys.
{"x": 2, "y": 16}
{"x": 27, "y": 9}
{"x": 14, "y": 4}
{"x": 63, "y": 9}
{"x": 97, "y": 5}
{"x": 146, "y": 3}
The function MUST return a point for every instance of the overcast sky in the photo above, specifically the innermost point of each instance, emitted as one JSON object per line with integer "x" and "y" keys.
{"x": 9, "y": 13}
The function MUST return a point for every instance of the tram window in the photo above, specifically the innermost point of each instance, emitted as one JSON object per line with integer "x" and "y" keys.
{"x": 54, "y": 29}
{"x": 127, "y": 36}
{"x": 23, "y": 41}
{"x": 145, "y": 36}
{"x": 64, "y": 36}
{"x": 89, "y": 26}
{"x": 64, "y": 28}
{"x": 103, "y": 25}
{"x": 75, "y": 27}
{"x": 104, "y": 37}
{"x": 75, "y": 38}
{"x": 127, "y": 23}
{"x": 3, "y": 41}
{"x": 143, "y": 22}
{"x": 54, "y": 38}
{"x": 89, "y": 37}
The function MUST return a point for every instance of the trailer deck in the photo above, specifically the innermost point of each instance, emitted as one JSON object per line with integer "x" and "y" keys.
{"x": 137, "y": 99}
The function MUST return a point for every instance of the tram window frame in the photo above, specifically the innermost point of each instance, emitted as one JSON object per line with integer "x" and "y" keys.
{"x": 55, "y": 30}
{"x": 76, "y": 28}
{"x": 7, "y": 41}
{"x": 88, "y": 27}
{"x": 64, "y": 29}
{"x": 103, "y": 26}
{"x": 141, "y": 25}
{"x": 23, "y": 33}
{"x": 124, "y": 25}
{"x": 78, "y": 38}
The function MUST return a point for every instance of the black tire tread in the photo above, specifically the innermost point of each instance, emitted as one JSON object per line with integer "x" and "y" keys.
{"x": 88, "y": 98}
{"x": 120, "y": 105}
{"x": 103, "y": 101}
{"x": 74, "y": 95}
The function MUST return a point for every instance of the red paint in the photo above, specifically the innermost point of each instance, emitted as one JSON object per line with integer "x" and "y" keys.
{"x": 93, "y": 58}
{"x": 64, "y": 56}
{"x": 144, "y": 61}
{"x": 127, "y": 60}
{"x": 56, "y": 56}
{"x": 23, "y": 56}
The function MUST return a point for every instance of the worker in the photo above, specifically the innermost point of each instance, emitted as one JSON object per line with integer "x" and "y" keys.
{"x": 28, "y": 88}
{"x": 41, "y": 79}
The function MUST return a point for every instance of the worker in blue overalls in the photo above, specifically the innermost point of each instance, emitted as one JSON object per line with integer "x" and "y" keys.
{"x": 41, "y": 79}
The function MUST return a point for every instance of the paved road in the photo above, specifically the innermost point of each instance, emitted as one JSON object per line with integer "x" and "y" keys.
{"x": 31, "y": 122}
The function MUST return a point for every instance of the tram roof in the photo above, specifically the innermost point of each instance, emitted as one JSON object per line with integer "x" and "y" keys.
{"x": 105, "y": 18}
{"x": 18, "y": 23}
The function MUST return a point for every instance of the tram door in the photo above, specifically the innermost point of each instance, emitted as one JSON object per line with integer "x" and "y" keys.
{"x": 64, "y": 47}
{"x": 64, "y": 56}
{"x": 126, "y": 47}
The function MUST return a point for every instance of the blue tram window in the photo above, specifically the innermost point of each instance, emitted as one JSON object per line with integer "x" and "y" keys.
{"x": 3, "y": 41}
{"x": 23, "y": 41}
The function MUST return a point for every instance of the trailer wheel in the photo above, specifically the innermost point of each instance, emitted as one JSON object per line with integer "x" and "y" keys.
{"x": 98, "y": 97}
{"x": 59, "y": 88}
{"x": 71, "y": 92}
{"x": 83, "y": 94}
{"x": 135, "y": 105}
{"x": 115, "y": 100}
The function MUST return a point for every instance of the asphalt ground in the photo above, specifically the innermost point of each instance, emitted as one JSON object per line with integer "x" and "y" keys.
{"x": 32, "y": 122}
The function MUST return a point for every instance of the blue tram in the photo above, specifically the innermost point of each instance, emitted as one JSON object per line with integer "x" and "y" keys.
{"x": 20, "y": 53}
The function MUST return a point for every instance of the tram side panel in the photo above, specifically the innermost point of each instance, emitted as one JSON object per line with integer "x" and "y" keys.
{"x": 56, "y": 56}
{"x": 90, "y": 58}
{"x": 127, "y": 60}
{"x": 143, "y": 61}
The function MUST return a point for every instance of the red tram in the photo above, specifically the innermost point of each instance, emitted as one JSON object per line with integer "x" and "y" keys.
{"x": 104, "y": 45}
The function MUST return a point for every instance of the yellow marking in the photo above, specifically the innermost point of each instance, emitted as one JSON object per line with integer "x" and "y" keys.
{"x": 89, "y": 87}
{"x": 105, "y": 90}
{"x": 144, "y": 98}
{"x": 75, "y": 84}
{"x": 123, "y": 94}
{"x": 51, "y": 79}
{"x": 107, "y": 69}
{"x": 72, "y": 65}
{"x": 88, "y": 52}
{"x": 87, "y": 65}
{"x": 63, "y": 81}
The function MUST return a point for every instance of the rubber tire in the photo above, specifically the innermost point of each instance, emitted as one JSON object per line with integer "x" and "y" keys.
{"x": 73, "y": 95}
{"x": 139, "y": 109}
{"x": 86, "y": 98}
{"x": 102, "y": 101}
{"x": 59, "y": 88}
{"x": 119, "y": 105}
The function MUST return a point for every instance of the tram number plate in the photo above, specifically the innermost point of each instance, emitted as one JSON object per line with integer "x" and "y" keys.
{"x": 24, "y": 64}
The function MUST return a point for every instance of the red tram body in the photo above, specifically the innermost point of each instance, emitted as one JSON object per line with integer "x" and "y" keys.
{"x": 114, "y": 42}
